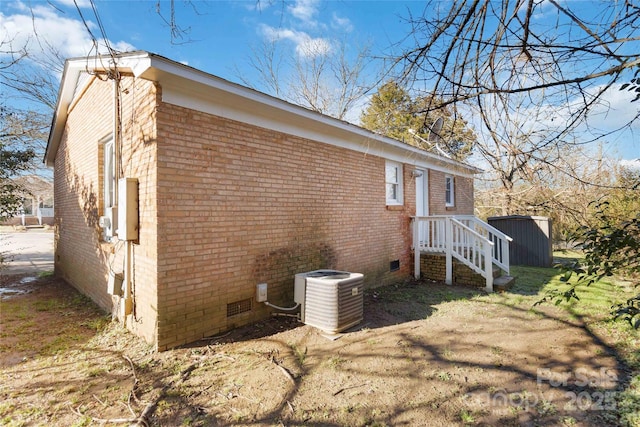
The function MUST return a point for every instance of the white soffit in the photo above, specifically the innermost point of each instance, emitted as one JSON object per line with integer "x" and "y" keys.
{"x": 193, "y": 89}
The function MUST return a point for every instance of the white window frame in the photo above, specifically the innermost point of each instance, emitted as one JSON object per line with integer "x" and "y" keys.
{"x": 393, "y": 183}
{"x": 449, "y": 191}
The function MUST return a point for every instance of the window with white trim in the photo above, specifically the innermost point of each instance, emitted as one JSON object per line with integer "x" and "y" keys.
{"x": 393, "y": 181}
{"x": 449, "y": 191}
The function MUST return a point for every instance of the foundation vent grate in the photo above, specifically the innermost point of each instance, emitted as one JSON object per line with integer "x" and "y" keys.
{"x": 238, "y": 307}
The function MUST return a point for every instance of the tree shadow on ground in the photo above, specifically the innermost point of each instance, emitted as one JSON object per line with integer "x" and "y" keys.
{"x": 384, "y": 306}
{"x": 262, "y": 329}
{"x": 411, "y": 300}
{"x": 435, "y": 368}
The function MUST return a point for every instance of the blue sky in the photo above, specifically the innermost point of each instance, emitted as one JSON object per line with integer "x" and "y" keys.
{"x": 220, "y": 35}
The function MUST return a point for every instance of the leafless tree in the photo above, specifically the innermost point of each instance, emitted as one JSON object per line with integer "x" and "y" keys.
{"x": 532, "y": 72}
{"x": 29, "y": 89}
{"x": 331, "y": 81}
{"x": 471, "y": 48}
{"x": 514, "y": 145}
{"x": 559, "y": 183}
{"x": 168, "y": 13}
{"x": 529, "y": 175}
{"x": 32, "y": 78}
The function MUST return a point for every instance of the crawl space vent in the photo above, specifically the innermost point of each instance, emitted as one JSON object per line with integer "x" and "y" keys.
{"x": 238, "y": 307}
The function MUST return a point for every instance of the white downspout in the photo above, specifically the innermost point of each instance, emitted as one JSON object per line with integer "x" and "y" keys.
{"x": 127, "y": 307}
{"x": 449, "y": 249}
{"x": 116, "y": 134}
{"x": 416, "y": 247}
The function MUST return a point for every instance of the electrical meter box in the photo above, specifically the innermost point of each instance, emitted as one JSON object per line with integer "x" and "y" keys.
{"x": 128, "y": 209}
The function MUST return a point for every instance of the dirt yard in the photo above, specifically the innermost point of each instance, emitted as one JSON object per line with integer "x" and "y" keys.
{"x": 426, "y": 355}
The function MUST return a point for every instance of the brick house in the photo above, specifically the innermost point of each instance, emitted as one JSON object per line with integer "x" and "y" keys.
{"x": 191, "y": 190}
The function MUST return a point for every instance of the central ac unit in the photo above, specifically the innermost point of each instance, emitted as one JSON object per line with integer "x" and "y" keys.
{"x": 330, "y": 300}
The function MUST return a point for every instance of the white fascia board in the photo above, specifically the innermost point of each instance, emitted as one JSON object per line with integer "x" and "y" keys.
{"x": 132, "y": 63}
{"x": 194, "y": 89}
{"x": 68, "y": 83}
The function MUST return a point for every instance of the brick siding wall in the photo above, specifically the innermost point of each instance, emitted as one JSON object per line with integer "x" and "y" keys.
{"x": 240, "y": 205}
{"x": 463, "y": 195}
{"x": 433, "y": 267}
{"x": 223, "y": 206}
{"x": 82, "y": 257}
{"x": 79, "y": 252}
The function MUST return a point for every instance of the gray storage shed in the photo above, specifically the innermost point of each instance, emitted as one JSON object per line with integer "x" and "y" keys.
{"x": 532, "y": 239}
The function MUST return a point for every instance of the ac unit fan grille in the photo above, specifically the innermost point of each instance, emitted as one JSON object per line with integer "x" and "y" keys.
{"x": 333, "y": 305}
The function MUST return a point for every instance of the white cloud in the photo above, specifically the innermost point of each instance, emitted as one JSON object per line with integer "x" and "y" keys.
{"x": 612, "y": 118}
{"x": 631, "y": 164}
{"x": 604, "y": 121}
{"x": 614, "y": 110}
{"x": 276, "y": 34}
{"x": 42, "y": 28}
{"x": 341, "y": 24}
{"x": 304, "y": 10}
{"x": 305, "y": 45}
{"x": 258, "y": 5}
{"x": 542, "y": 10}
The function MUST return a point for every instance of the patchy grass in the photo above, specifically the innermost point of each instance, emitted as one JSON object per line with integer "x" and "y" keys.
{"x": 447, "y": 354}
{"x": 593, "y": 309}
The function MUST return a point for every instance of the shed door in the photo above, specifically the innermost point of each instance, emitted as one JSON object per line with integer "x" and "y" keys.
{"x": 422, "y": 193}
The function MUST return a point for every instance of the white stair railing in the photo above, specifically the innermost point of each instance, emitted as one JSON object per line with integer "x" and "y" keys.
{"x": 430, "y": 232}
{"x": 475, "y": 243}
{"x": 472, "y": 249}
{"x": 500, "y": 253}
{"x": 428, "y": 236}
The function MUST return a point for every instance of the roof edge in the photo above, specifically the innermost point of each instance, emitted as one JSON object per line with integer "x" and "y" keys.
{"x": 166, "y": 65}
{"x": 136, "y": 62}
{"x": 155, "y": 67}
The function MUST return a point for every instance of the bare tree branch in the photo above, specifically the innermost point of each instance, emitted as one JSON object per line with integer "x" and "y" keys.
{"x": 474, "y": 47}
{"x": 330, "y": 82}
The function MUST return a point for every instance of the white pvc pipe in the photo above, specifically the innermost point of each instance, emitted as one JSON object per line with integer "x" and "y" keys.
{"x": 282, "y": 308}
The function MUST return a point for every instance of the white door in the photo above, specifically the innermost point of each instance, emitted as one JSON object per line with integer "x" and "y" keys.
{"x": 422, "y": 193}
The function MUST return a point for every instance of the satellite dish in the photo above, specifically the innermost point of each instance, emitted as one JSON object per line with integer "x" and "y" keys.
{"x": 434, "y": 131}
{"x": 435, "y": 137}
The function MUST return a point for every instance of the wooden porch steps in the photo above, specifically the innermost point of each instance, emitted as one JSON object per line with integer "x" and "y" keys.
{"x": 503, "y": 283}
